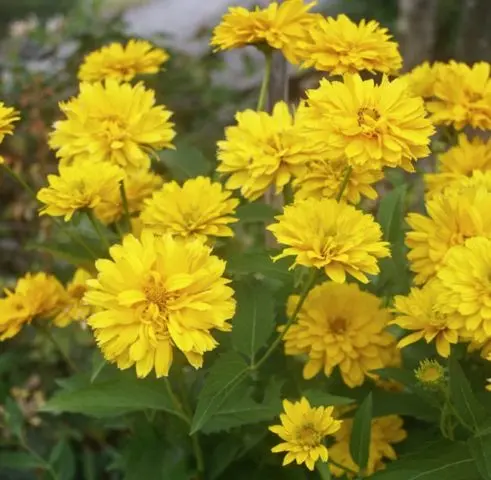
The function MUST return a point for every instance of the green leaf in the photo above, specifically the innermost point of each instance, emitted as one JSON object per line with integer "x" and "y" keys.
{"x": 260, "y": 265}
{"x": 62, "y": 460}
{"x": 21, "y": 461}
{"x": 480, "y": 448}
{"x": 111, "y": 397}
{"x": 390, "y": 214}
{"x": 323, "y": 470}
{"x": 185, "y": 162}
{"x": 256, "y": 212}
{"x": 360, "y": 435}
{"x": 320, "y": 398}
{"x": 254, "y": 320}
{"x": 468, "y": 409}
{"x": 403, "y": 403}
{"x": 224, "y": 376}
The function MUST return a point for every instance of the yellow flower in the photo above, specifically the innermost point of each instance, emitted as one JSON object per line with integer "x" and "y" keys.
{"x": 156, "y": 294}
{"x": 464, "y": 287}
{"x": 369, "y": 124}
{"x": 447, "y": 184}
{"x": 450, "y": 220}
{"x": 462, "y": 96}
{"x": 340, "y": 46}
{"x": 80, "y": 186}
{"x": 421, "y": 79}
{"x": 37, "y": 295}
{"x": 74, "y": 309}
{"x": 323, "y": 179}
{"x": 430, "y": 373}
{"x": 340, "y": 325}
{"x": 303, "y": 429}
{"x": 333, "y": 236}
{"x": 417, "y": 312}
{"x": 112, "y": 122}
{"x": 122, "y": 62}
{"x": 8, "y": 116}
{"x": 279, "y": 26}
{"x": 263, "y": 150}
{"x": 198, "y": 209}
{"x": 139, "y": 186}
{"x": 385, "y": 431}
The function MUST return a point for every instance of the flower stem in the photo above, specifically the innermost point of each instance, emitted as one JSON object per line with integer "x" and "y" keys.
{"x": 49, "y": 335}
{"x": 124, "y": 201}
{"x": 346, "y": 469}
{"x": 18, "y": 178}
{"x": 344, "y": 183}
{"x": 303, "y": 296}
{"x": 97, "y": 228}
{"x": 261, "y": 102}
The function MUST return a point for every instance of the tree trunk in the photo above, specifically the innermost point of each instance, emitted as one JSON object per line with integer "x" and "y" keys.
{"x": 475, "y": 32}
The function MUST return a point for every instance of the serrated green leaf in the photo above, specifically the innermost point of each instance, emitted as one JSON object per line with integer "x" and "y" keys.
{"x": 254, "y": 319}
{"x": 223, "y": 377}
{"x": 360, "y": 434}
{"x": 21, "y": 461}
{"x": 256, "y": 212}
{"x": 260, "y": 265}
{"x": 390, "y": 214}
{"x": 319, "y": 398}
{"x": 185, "y": 162}
{"x": 468, "y": 409}
{"x": 480, "y": 448}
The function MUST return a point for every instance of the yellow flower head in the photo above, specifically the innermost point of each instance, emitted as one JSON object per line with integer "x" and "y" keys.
{"x": 324, "y": 178}
{"x": 333, "y": 236}
{"x": 369, "y": 124}
{"x": 122, "y": 62}
{"x": 464, "y": 287}
{"x": 430, "y": 373}
{"x": 421, "y": 79}
{"x": 263, "y": 150}
{"x": 417, "y": 312}
{"x": 139, "y": 186}
{"x": 385, "y": 431}
{"x": 74, "y": 309}
{"x": 37, "y": 295}
{"x": 80, "y": 186}
{"x": 8, "y": 116}
{"x": 114, "y": 122}
{"x": 157, "y": 294}
{"x": 279, "y": 25}
{"x": 458, "y": 163}
{"x": 339, "y": 325}
{"x": 341, "y": 46}
{"x": 450, "y": 221}
{"x": 303, "y": 429}
{"x": 198, "y": 209}
{"x": 462, "y": 96}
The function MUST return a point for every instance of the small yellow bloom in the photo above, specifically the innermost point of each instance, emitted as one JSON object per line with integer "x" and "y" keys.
{"x": 80, "y": 186}
{"x": 114, "y": 122}
{"x": 422, "y": 78}
{"x": 417, "y": 312}
{"x": 198, "y": 209}
{"x": 122, "y": 62}
{"x": 367, "y": 124}
{"x": 158, "y": 294}
{"x": 340, "y": 325}
{"x": 333, "y": 236}
{"x": 462, "y": 96}
{"x": 36, "y": 296}
{"x": 303, "y": 429}
{"x": 450, "y": 221}
{"x": 264, "y": 150}
{"x": 8, "y": 116}
{"x": 385, "y": 431}
{"x": 280, "y": 25}
{"x": 74, "y": 309}
{"x": 430, "y": 373}
{"x": 341, "y": 46}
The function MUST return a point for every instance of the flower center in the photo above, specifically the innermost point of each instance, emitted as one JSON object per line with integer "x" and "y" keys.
{"x": 115, "y": 131}
{"x": 368, "y": 119}
{"x": 156, "y": 295}
{"x": 156, "y": 312}
{"x": 77, "y": 291}
{"x": 338, "y": 325}
{"x": 308, "y": 436}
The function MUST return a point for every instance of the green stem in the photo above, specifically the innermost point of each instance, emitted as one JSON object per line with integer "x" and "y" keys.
{"x": 344, "y": 183}
{"x": 288, "y": 194}
{"x": 20, "y": 180}
{"x": 346, "y": 469}
{"x": 38, "y": 457}
{"x": 323, "y": 470}
{"x": 49, "y": 335}
{"x": 303, "y": 296}
{"x": 74, "y": 238}
{"x": 97, "y": 228}
{"x": 261, "y": 102}
{"x": 124, "y": 201}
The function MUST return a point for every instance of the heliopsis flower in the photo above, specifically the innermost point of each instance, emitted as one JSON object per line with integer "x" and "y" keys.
{"x": 279, "y": 25}
{"x": 333, "y": 236}
{"x": 450, "y": 221}
{"x": 452, "y": 184}
{"x": 122, "y": 62}
{"x": 324, "y": 179}
{"x": 430, "y": 373}
{"x": 36, "y": 296}
{"x": 384, "y": 432}
{"x": 198, "y": 209}
{"x": 80, "y": 186}
{"x": 303, "y": 430}
{"x": 464, "y": 287}
{"x": 263, "y": 150}
{"x": 339, "y": 325}
{"x": 139, "y": 186}
{"x": 74, "y": 309}
{"x": 114, "y": 122}
{"x": 422, "y": 78}
{"x": 462, "y": 96}
{"x": 417, "y": 312}
{"x": 158, "y": 294}
{"x": 369, "y": 124}
{"x": 8, "y": 116}
{"x": 341, "y": 46}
